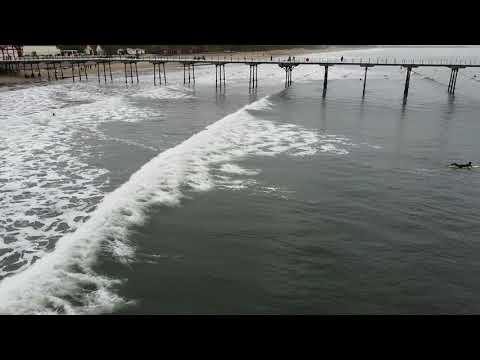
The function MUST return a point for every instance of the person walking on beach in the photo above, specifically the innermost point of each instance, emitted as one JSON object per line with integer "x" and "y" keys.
{"x": 271, "y": 58}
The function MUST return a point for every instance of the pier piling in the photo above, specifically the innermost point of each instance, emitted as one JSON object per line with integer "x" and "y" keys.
{"x": 325, "y": 81}
{"x": 407, "y": 82}
{"x": 364, "y": 80}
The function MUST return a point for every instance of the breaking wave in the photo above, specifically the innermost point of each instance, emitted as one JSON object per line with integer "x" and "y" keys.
{"x": 63, "y": 280}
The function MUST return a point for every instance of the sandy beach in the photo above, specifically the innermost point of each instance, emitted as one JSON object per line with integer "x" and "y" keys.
{"x": 22, "y": 79}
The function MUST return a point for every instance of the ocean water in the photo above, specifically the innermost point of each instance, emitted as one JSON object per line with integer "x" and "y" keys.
{"x": 136, "y": 199}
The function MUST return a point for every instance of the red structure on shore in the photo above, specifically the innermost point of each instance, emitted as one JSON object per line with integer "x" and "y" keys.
{"x": 11, "y": 52}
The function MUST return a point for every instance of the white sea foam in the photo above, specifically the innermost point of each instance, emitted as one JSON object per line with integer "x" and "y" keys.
{"x": 63, "y": 280}
{"x": 235, "y": 169}
{"x": 47, "y": 187}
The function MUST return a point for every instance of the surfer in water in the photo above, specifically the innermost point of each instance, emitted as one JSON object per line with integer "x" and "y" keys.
{"x": 461, "y": 166}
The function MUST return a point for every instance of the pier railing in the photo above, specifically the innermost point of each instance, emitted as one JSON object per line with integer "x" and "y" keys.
{"x": 445, "y": 61}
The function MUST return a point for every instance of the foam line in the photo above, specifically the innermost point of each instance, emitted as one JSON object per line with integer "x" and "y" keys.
{"x": 64, "y": 281}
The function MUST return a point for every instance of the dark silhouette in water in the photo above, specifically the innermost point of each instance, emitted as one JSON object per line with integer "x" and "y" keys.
{"x": 460, "y": 166}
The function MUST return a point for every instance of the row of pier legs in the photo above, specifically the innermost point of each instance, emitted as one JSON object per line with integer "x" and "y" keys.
{"x": 288, "y": 76}
{"x": 10, "y": 67}
{"x": 453, "y": 81}
{"x": 80, "y": 70}
{"x": 219, "y": 77}
{"x": 104, "y": 71}
{"x": 131, "y": 72}
{"x": 253, "y": 80}
{"x": 160, "y": 65}
{"x": 191, "y": 72}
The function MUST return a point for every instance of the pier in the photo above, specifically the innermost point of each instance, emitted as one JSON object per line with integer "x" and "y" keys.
{"x": 55, "y": 67}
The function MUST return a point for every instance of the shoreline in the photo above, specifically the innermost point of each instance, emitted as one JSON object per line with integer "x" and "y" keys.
{"x": 19, "y": 81}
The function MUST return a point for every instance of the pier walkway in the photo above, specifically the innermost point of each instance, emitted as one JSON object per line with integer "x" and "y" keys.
{"x": 79, "y": 64}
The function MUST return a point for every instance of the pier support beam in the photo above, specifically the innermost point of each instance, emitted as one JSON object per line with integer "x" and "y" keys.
{"x": 160, "y": 74}
{"x": 220, "y": 74}
{"x": 104, "y": 72}
{"x": 253, "y": 80}
{"x": 407, "y": 82}
{"x": 110, "y": 70}
{"x": 288, "y": 75}
{"x": 219, "y": 68}
{"x": 453, "y": 81}
{"x": 325, "y": 81}
{"x": 164, "y": 75}
{"x": 364, "y": 80}
{"x": 191, "y": 72}
{"x": 450, "y": 81}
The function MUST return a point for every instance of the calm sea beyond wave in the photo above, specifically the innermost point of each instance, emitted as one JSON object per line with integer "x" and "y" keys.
{"x": 143, "y": 199}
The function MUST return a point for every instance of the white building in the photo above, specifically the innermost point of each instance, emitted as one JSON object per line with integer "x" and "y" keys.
{"x": 69, "y": 53}
{"x": 100, "y": 50}
{"x": 43, "y": 50}
{"x": 10, "y": 52}
{"x": 131, "y": 51}
{"x": 88, "y": 50}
